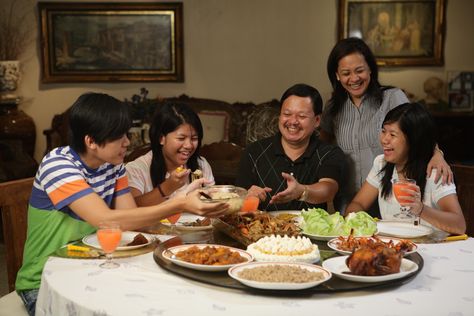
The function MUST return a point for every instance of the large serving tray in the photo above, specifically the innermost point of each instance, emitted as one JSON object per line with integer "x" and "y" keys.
{"x": 222, "y": 279}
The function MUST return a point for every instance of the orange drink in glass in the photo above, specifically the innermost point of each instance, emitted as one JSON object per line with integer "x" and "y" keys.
{"x": 400, "y": 194}
{"x": 109, "y": 235}
{"x": 250, "y": 204}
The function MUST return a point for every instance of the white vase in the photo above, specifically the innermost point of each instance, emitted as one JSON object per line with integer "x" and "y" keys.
{"x": 9, "y": 79}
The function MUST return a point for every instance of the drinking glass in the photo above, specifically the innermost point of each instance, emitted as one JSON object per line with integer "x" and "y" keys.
{"x": 400, "y": 195}
{"x": 250, "y": 204}
{"x": 109, "y": 235}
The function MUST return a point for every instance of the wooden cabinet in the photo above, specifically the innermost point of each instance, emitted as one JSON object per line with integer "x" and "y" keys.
{"x": 456, "y": 136}
{"x": 17, "y": 142}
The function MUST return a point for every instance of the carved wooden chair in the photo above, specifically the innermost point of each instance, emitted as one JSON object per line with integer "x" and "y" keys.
{"x": 224, "y": 158}
{"x": 14, "y": 197}
{"x": 464, "y": 179}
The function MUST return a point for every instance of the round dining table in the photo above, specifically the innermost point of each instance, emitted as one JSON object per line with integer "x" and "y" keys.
{"x": 140, "y": 286}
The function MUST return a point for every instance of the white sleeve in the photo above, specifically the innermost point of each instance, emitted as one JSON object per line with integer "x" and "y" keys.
{"x": 138, "y": 172}
{"x": 374, "y": 178}
{"x": 438, "y": 190}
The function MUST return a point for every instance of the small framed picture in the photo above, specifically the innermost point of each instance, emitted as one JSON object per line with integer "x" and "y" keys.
{"x": 461, "y": 90}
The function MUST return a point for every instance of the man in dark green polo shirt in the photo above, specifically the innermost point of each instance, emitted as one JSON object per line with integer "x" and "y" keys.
{"x": 293, "y": 169}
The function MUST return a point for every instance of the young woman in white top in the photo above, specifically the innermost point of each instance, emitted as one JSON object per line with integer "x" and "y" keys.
{"x": 408, "y": 141}
{"x": 175, "y": 135}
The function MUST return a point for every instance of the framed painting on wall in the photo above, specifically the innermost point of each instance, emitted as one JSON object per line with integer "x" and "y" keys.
{"x": 461, "y": 91}
{"x": 107, "y": 42}
{"x": 400, "y": 33}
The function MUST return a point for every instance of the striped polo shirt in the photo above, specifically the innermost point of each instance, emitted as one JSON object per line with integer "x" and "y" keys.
{"x": 62, "y": 178}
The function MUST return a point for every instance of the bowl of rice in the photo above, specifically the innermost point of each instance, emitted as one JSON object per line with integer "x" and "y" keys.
{"x": 232, "y": 195}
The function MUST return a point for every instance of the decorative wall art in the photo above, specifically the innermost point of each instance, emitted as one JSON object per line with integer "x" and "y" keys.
{"x": 97, "y": 42}
{"x": 400, "y": 33}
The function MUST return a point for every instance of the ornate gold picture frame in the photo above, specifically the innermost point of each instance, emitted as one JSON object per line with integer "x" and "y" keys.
{"x": 108, "y": 42}
{"x": 400, "y": 33}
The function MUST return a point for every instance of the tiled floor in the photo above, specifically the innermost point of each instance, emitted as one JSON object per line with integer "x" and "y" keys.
{"x": 3, "y": 271}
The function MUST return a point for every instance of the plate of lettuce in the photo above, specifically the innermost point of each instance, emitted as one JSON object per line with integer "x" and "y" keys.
{"x": 320, "y": 225}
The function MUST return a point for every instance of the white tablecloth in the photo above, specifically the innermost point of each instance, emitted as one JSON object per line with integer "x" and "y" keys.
{"x": 141, "y": 287}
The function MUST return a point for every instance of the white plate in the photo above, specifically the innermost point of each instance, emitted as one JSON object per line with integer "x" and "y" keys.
{"x": 334, "y": 245}
{"x": 402, "y": 229}
{"x": 326, "y": 238}
{"x": 188, "y": 218}
{"x": 167, "y": 254}
{"x": 234, "y": 271}
{"x": 127, "y": 236}
{"x": 338, "y": 265}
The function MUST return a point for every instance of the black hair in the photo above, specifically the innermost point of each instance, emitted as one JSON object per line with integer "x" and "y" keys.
{"x": 304, "y": 90}
{"x": 343, "y": 48}
{"x": 99, "y": 116}
{"x": 166, "y": 120}
{"x": 419, "y": 130}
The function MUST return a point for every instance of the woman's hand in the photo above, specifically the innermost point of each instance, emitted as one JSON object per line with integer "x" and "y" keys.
{"x": 443, "y": 170}
{"x": 194, "y": 204}
{"x": 414, "y": 197}
{"x": 197, "y": 184}
{"x": 176, "y": 180}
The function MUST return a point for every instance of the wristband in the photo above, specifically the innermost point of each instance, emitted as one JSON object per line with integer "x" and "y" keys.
{"x": 161, "y": 191}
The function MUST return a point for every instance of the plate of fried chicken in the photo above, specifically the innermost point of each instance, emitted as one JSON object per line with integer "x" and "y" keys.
{"x": 372, "y": 262}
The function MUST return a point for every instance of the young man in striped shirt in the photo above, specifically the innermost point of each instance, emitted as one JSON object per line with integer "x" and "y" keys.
{"x": 78, "y": 186}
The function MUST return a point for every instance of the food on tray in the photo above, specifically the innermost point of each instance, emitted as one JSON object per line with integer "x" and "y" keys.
{"x": 139, "y": 239}
{"x": 196, "y": 174}
{"x": 77, "y": 248}
{"x": 350, "y": 243}
{"x": 286, "y": 216}
{"x": 281, "y": 274}
{"x": 319, "y": 222}
{"x": 198, "y": 222}
{"x": 250, "y": 227}
{"x": 374, "y": 259}
{"x": 210, "y": 255}
{"x": 286, "y": 249}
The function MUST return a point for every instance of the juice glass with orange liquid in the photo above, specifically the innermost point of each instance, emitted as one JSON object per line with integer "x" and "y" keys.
{"x": 109, "y": 235}
{"x": 250, "y": 204}
{"x": 400, "y": 195}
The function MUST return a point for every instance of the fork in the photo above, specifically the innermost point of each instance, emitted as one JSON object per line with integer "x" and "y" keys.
{"x": 170, "y": 253}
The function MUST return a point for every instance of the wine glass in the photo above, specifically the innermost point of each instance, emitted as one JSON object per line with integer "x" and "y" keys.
{"x": 109, "y": 235}
{"x": 400, "y": 195}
